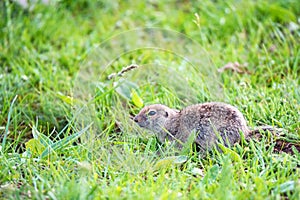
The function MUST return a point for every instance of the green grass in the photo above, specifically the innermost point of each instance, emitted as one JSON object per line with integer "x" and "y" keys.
{"x": 49, "y": 151}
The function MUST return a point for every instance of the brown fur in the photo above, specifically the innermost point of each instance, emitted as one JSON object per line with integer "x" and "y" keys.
{"x": 211, "y": 122}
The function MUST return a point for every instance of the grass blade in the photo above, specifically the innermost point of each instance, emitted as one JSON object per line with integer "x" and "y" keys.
{"x": 61, "y": 143}
{"x": 8, "y": 122}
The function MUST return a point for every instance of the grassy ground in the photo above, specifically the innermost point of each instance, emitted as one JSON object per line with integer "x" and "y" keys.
{"x": 52, "y": 58}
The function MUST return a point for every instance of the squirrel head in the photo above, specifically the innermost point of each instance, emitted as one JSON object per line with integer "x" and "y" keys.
{"x": 154, "y": 117}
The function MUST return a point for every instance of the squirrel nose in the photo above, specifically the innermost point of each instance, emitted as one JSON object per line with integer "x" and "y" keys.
{"x": 135, "y": 119}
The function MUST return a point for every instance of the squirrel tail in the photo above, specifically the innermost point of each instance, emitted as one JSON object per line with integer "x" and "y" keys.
{"x": 282, "y": 144}
{"x": 256, "y": 133}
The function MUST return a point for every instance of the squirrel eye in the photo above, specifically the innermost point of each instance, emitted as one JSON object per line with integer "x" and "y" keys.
{"x": 151, "y": 113}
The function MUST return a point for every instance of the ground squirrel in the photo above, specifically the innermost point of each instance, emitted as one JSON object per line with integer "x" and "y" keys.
{"x": 211, "y": 122}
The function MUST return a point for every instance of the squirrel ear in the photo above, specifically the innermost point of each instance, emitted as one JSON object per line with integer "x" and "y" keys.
{"x": 166, "y": 114}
